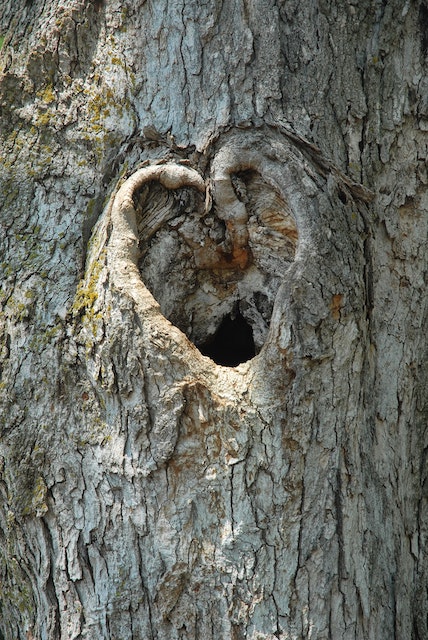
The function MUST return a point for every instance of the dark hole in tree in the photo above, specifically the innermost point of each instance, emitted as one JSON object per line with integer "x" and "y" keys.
{"x": 232, "y": 343}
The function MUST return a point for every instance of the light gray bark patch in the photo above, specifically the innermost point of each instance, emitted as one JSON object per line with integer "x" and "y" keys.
{"x": 165, "y": 432}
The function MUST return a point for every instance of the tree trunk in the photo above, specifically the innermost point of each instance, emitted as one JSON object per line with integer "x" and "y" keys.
{"x": 213, "y": 320}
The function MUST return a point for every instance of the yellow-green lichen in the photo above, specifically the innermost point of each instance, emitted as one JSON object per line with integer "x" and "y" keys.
{"x": 44, "y": 118}
{"x": 123, "y": 17}
{"x": 99, "y": 107}
{"x": 47, "y": 94}
{"x": 84, "y": 305}
{"x": 90, "y": 209}
{"x": 36, "y": 504}
{"x": 18, "y": 594}
{"x": 18, "y": 310}
{"x": 43, "y": 337}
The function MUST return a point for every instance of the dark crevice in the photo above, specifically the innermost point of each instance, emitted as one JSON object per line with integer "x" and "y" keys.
{"x": 342, "y": 196}
{"x": 232, "y": 343}
{"x": 423, "y": 23}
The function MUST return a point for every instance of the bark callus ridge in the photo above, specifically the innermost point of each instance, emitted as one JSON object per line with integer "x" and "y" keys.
{"x": 215, "y": 271}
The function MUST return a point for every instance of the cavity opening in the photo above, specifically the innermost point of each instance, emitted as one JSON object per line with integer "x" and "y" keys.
{"x": 232, "y": 343}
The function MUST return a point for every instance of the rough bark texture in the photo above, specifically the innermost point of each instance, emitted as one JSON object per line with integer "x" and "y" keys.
{"x": 167, "y": 166}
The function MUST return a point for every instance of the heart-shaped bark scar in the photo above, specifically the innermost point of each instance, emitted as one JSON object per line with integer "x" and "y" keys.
{"x": 211, "y": 252}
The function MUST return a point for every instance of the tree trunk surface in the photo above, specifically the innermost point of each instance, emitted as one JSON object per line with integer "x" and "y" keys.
{"x": 213, "y": 320}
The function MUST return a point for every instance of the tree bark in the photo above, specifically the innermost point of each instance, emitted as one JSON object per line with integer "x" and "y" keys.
{"x": 213, "y": 320}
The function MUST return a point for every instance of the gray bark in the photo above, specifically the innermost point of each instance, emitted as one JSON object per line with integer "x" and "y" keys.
{"x": 164, "y": 166}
